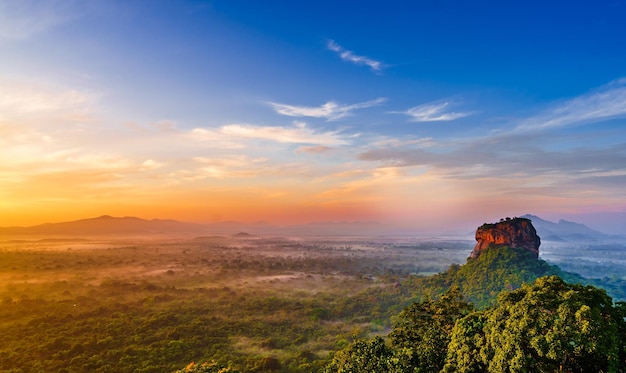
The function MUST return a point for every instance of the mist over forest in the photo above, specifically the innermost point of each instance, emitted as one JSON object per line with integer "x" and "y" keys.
{"x": 135, "y": 301}
{"x": 206, "y": 186}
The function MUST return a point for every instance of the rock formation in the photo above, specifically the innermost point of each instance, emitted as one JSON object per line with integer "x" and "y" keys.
{"x": 516, "y": 233}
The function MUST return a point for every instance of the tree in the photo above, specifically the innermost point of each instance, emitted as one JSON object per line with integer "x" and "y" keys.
{"x": 422, "y": 331}
{"x": 548, "y": 326}
{"x": 466, "y": 342}
{"x": 364, "y": 356}
{"x": 207, "y": 367}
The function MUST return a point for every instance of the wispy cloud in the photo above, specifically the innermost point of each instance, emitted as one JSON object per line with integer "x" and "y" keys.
{"x": 239, "y": 165}
{"x": 604, "y": 103}
{"x": 433, "y": 112}
{"x": 422, "y": 142}
{"x": 150, "y": 164}
{"x": 508, "y": 157}
{"x": 39, "y": 135}
{"x": 19, "y": 99}
{"x": 330, "y": 110}
{"x": 317, "y": 149}
{"x": 25, "y": 18}
{"x": 349, "y": 56}
{"x": 298, "y": 134}
{"x": 528, "y": 160}
{"x": 229, "y": 165}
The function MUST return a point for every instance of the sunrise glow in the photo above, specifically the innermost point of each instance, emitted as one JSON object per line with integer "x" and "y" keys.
{"x": 218, "y": 111}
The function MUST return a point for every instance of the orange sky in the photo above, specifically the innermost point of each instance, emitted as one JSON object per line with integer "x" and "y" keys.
{"x": 158, "y": 110}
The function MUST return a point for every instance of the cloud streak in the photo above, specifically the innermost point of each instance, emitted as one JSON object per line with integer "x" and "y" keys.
{"x": 243, "y": 166}
{"x": 329, "y": 111}
{"x": 433, "y": 112}
{"x": 300, "y": 134}
{"x": 527, "y": 160}
{"x": 349, "y": 56}
{"x": 21, "y": 99}
{"x": 607, "y": 102}
{"x": 317, "y": 149}
{"x": 506, "y": 157}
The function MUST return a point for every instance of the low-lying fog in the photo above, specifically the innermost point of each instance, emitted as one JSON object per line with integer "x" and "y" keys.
{"x": 157, "y": 304}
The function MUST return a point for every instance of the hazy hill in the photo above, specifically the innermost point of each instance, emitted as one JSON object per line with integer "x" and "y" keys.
{"x": 563, "y": 231}
{"x": 566, "y": 231}
{"x": 500, "y": 268}
{"x": 104, "y": 225}
{"x": 506, "y": 257}
{"x": 543, "y": 327}
{"x": 128, "y": 226}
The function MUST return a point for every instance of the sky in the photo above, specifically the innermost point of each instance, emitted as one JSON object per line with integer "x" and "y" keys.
{"x": 432, "y": 115}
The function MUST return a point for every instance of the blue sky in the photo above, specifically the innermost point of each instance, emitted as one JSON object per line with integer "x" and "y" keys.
{"x": 421, "y": 113}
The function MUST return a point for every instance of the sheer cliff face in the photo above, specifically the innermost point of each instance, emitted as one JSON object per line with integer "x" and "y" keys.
{"x": 517, "y": 232}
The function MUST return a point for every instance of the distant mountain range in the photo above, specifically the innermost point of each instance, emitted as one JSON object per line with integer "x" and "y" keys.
{"x": 563, "y": 231}
{"x": 567, "y": 231}
{"x": 103, "y": 226}
{"x": 132, "y": 226}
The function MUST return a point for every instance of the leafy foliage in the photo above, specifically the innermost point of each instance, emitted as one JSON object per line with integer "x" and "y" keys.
{"x": 207, "y": 367}
{"x": 548, "y": 326}
{"x": 467, "y": 339}
{"x": 156, "y": 306}
{"x": 365, "y": 356}
{"x": 499, "y": 268}
{"x": 417, "y": 343}
{"x": 422, "y": 330}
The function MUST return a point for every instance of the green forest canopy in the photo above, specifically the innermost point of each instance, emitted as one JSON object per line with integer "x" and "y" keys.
{"x": 548, "y": 326}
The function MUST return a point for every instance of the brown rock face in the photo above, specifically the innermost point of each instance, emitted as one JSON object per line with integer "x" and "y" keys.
{"x": 516, "y": 232}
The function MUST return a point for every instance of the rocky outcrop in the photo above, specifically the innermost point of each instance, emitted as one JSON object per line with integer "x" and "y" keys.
{"x": 516, "y": 233}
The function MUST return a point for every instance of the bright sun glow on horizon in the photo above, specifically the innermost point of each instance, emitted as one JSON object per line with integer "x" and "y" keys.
{"x": 216, "y": 111}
